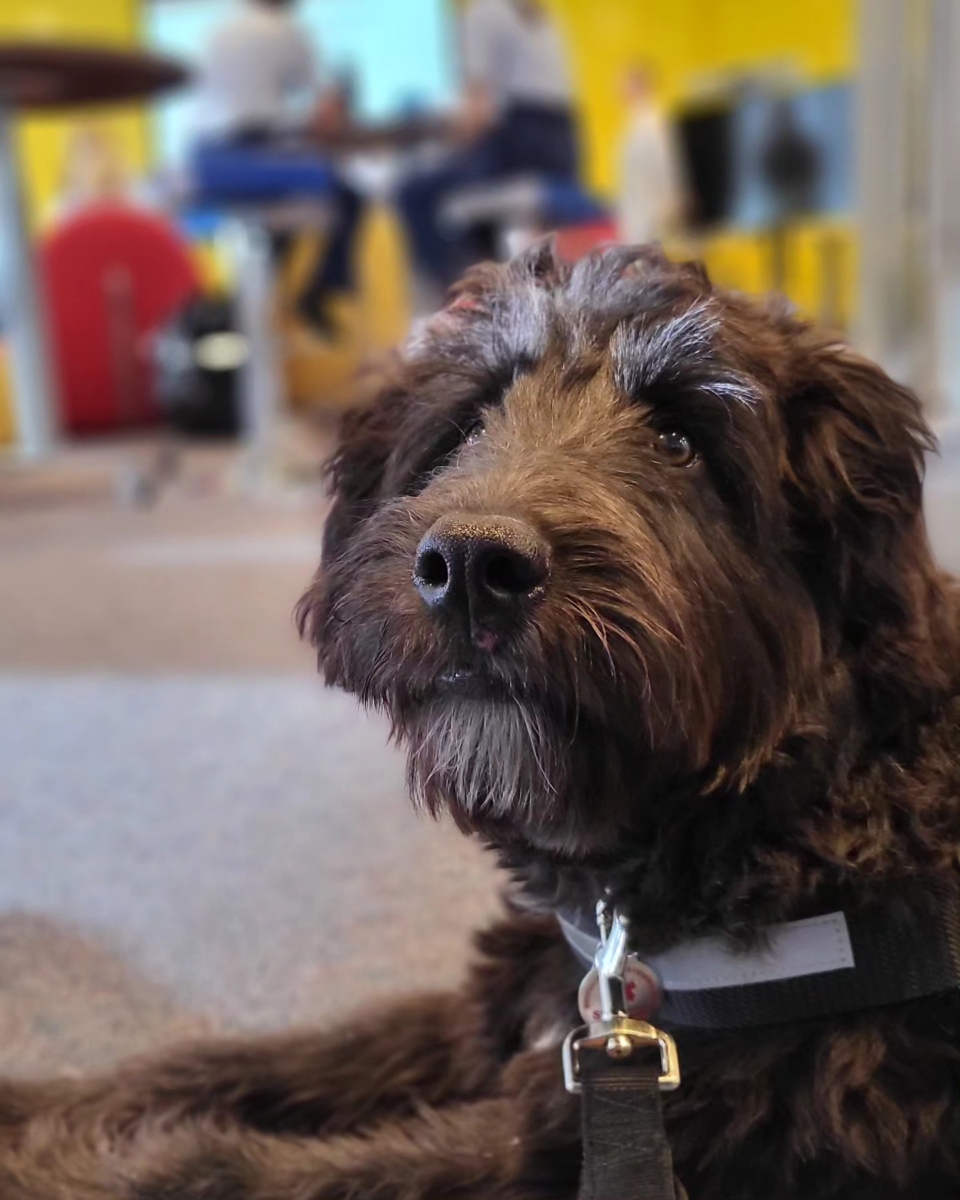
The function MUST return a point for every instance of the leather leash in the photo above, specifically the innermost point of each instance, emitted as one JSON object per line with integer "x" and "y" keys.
{"x": 619, "y": 1067}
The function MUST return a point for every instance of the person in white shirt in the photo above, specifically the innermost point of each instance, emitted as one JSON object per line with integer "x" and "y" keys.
{"x": 260, "y": 73}
{"x": 652, "y": 191}
{"x": 259, "y": 94}
{"x": 516, "y": 118}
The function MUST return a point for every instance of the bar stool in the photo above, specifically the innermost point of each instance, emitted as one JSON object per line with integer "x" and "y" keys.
{"x": 247, "y": 195}
{"x": 246, "y": 231}
{"x": 520, "y": 207}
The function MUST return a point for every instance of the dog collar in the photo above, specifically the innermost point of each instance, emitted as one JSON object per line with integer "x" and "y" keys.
{"x": 902, "y": 947}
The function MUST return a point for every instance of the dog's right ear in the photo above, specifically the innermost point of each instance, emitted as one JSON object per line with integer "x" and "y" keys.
{"x": 367, "y": 437}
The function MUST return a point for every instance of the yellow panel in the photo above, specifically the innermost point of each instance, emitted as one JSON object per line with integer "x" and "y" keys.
{"x": 687, "y": 39}
{"x": 816, "y": 36}
{"x": 821, "y": 276}
{"x": 738, "y": 261}
{"x": 375, "y": 319}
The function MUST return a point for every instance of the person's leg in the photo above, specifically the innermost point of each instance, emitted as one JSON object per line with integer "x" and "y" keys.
{"x": 441, "y": 253}
{"x": 541, "y": 141}
{"x": 281, "y": 243}
{"x": 418, "y": 202}
{"x": 333, "y": 271}
{"x": 562, "y": 147}
{"x": 258, "y": 169}
{"x": 337, "y": 271}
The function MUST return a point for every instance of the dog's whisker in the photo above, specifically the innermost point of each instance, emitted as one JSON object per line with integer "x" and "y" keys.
{"x": 595, "y": 622}
{"x": 533, "y": 741}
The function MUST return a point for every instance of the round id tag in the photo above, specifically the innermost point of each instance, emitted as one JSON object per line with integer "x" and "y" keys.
{"x": 641, "y": 989}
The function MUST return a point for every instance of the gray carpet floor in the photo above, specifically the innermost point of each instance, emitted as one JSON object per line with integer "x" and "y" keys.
{"x": 194, "y": 834}
{"x": 242, "y": 842}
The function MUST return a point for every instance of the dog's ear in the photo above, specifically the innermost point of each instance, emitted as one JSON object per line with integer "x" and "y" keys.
{"x": 366, "y": 440}
{"x": 857, "y": 444}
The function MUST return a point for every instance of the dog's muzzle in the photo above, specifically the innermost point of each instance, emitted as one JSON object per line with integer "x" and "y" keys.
{"x": 481, "y": 574}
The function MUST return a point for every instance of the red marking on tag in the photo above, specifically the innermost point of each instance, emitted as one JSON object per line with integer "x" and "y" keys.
{"x": 640, "y": 987}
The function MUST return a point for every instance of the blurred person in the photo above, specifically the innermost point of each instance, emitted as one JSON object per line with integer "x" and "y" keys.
{"x": 652, "y": 187}
{"x": 516, "y": 117}
{"x": 260, "y": 88}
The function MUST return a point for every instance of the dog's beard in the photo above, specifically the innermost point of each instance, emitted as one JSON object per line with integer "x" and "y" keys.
{"x": 493, "y": 764}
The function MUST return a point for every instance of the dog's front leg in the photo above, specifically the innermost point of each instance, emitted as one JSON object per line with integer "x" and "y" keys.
{"x": 516, "y": 1145}
{"x": 425, "y": 1051}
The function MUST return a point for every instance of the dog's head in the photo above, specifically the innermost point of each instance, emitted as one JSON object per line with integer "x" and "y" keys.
{"x": 611, "y": 535}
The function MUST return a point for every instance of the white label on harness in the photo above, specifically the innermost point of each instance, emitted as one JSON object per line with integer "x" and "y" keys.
{"x": 807, "y": 947}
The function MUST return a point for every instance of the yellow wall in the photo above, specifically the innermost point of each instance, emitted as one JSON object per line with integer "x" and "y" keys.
{"x": 688, "y": 39}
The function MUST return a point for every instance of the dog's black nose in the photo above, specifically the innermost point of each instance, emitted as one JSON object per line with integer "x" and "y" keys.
{"x": 484, "y": 569}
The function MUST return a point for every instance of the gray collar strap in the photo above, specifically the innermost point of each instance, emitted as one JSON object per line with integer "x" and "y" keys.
{"x": 900, "y": 948}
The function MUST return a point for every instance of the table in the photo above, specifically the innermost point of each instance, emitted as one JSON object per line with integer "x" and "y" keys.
{"x": 352, "y": 136}
{"x": 49, "y": 75}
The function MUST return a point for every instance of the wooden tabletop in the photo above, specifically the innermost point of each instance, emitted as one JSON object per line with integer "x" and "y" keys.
{"x": 42, "y": 74}
{"x": 352, "y": 135}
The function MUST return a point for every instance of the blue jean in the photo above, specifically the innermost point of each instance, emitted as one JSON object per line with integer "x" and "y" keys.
{"x": 527, "y": 139}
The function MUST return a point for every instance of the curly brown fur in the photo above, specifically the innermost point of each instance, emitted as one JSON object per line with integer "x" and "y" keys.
{"x": 738, "y": 693}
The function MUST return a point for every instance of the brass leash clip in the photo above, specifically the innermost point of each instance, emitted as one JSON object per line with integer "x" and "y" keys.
{"x": 616, "y": 1033}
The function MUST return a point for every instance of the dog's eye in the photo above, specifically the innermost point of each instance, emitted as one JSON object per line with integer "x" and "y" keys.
{"x": 473, "y": 433}
{"x": 676, "y": 448}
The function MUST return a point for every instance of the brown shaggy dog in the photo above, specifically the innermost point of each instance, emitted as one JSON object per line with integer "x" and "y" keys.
{"x": 638, "y": 570}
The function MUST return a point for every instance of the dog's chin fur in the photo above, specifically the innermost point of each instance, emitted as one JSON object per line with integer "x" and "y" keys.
{"x": 483, "y": 757}
{"x": 499, "y": 766}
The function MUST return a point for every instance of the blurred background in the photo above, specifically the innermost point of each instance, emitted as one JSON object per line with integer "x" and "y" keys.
{"x": 215, "y": 218}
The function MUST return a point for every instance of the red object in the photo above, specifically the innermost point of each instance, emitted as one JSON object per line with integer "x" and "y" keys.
{"x": 575, "y": 241}
{"x": 112, "y": 275}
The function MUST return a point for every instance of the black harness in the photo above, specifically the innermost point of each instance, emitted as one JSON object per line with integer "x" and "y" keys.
{"x": 900, "y": 948}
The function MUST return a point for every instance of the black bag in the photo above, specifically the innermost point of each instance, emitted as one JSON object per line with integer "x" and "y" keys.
{"x": 199, "y": 358}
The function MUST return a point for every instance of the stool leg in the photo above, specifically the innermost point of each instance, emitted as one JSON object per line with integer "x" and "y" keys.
{"x": 261, "y": 385}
